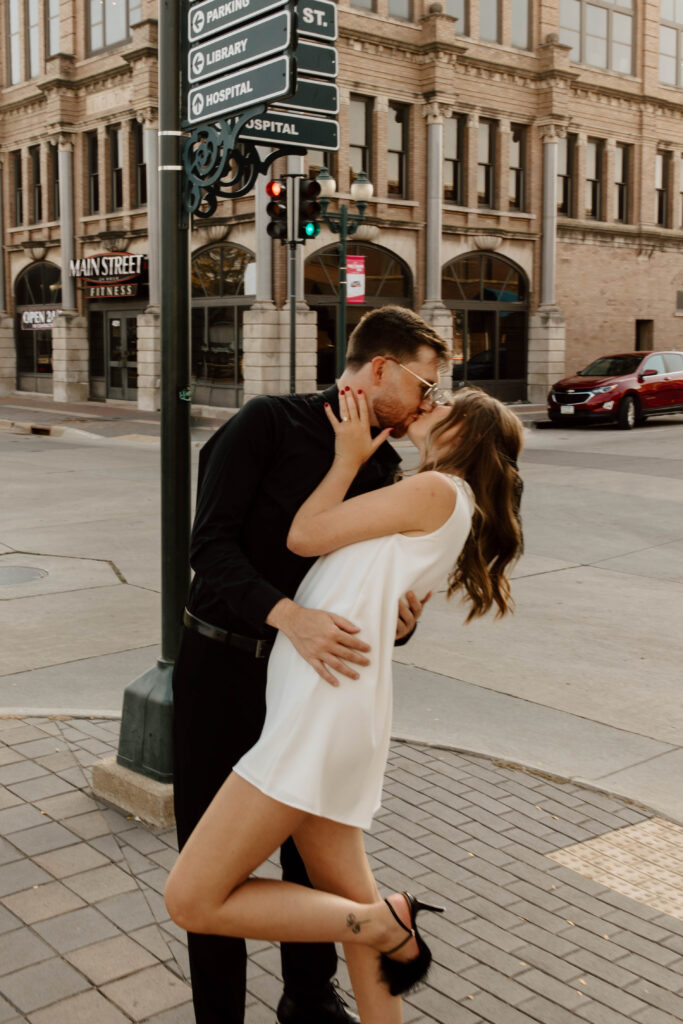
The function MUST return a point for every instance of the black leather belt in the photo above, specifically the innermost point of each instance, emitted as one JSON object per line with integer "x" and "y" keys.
{"x": 251, "y": 644}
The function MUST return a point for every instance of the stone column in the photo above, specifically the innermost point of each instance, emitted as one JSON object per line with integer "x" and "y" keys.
{"x": 149, "y": 322}
{"x": 433, "y": 310}
{"x": 609, "y": 207}
{"x": 471, "y": 149}
{"x": 70, "y": 362}
{"x": 547, "y": 327}
{"x": 502, "y": 177}
{"x": 8, "y": 356}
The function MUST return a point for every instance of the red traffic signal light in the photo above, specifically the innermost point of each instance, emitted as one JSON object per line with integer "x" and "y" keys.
{"x": 309, "y": 209}
{"x": 277, "y": 209}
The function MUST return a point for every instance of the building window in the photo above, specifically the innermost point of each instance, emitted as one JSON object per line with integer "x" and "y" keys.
{"x": 52, "y": 33}
{"x": 365, "y": 5}
{"x": 14, "y": 43}
{"x": 116, "y": 167}
{"x": 519, "y": 24}
{"x": 486, "y": 148}
{"x": 397, "y": 150}
{"x": 360, "y": 135}
{"x": 565, "y": 175}
{"x": 401, "y": 9}
{"x": 18, "y": 211}
{"x": 93, "y": 173}
{"x": 36, "y": 185}
{"x": 662, "y": 172}
{"x": 140, "y": 163}
{"x": 517, "y": 161}
{"x": 453, "y": 150}
{"x": 458, "y": 9}
{"x": 671, "y": 43}
{"x": 593, "y": 194}
{"x": 33, "y": 38}
{"x": 54, "y": 182}
{"x": 489, "y": 21}
{"x": 600, "y": 33}
{"x": 622, "y": 171}
{"x": 319, "y": 158}
{"x": 110, "y": 21}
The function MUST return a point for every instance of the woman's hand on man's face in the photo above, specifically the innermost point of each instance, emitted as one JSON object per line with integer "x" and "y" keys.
{"x": 353, "y": 442}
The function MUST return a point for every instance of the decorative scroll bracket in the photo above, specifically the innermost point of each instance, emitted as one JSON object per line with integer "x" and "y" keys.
{"x": 216, "y": 168}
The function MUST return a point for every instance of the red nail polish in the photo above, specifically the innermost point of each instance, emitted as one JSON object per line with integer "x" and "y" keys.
{"x": 360, "y": 391}
{"x": 327, "y": 405}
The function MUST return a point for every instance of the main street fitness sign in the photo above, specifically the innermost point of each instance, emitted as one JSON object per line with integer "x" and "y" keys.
{"x": 109, "y": 275}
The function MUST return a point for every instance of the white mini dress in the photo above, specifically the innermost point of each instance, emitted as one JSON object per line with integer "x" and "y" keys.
{"x": 323, "y": 749}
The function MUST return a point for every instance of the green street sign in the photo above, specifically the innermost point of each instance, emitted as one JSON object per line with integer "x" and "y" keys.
{"x": 314, "y": 59}
{"x": 256, "y": 41}
{"x": 259, "y": 83}
{"x": 279, "y": 126}
{"x": 212, "y": 16}
{"x": 317, "y": 97}
{"x": 317, "y": 19}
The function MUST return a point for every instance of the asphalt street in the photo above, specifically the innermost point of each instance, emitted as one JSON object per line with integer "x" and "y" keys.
{"x": 582, "y": 682}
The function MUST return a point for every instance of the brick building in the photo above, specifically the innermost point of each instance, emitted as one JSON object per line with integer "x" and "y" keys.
{"x": 526, "y": 157}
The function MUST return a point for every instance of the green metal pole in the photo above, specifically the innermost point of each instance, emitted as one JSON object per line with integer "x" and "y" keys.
{"x": 145, "y": 744}
{"x": 341, "y": 309}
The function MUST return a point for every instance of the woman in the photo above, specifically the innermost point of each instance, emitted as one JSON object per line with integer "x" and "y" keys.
{"x": 316, "y": 771}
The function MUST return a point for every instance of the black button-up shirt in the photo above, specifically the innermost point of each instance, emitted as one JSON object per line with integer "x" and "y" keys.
{"x": 254, "y": 474}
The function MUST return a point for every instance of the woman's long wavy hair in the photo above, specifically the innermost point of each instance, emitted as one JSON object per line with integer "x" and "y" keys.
{"x": 484, "y": 452}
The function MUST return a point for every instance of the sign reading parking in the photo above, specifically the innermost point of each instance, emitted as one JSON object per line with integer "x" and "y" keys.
{"x": 259, "y": 83}
{"x": 263, "y": 38}
{"x": 212, "y": 16}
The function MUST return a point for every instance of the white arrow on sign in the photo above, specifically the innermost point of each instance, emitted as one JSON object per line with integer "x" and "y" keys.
{"x": 197, "y": 63}
{"x": 198, "y": 22}
{"x": 197, "y": 105}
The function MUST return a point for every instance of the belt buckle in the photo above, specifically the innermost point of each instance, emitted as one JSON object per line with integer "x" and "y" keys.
{"x": 262, "y": 648}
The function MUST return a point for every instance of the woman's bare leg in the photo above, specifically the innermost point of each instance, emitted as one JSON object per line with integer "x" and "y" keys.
{"x": 336, "y": 862}
{"x": 209, "y": 889}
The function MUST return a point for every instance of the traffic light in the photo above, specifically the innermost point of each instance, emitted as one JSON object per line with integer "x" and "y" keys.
{"x": 277, "y": 209}
{"x": 309, "y": 209}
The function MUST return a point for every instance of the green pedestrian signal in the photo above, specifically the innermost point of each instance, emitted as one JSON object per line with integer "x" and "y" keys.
{"x": 309, "y": 209}
{"x": 277, "y": 210}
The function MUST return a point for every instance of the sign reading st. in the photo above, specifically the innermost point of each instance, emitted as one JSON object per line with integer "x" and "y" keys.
{"x": 317, "y": 19}
{"x": 259, "y": 83}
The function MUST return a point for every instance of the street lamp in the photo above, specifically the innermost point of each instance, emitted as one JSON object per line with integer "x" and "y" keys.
{"x": 344, "y": 224}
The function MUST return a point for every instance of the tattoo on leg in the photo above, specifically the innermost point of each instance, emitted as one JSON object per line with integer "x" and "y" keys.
{"x": 354, "y": 924}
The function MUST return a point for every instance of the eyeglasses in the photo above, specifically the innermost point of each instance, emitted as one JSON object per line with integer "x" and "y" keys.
{"x": 431, "y": 390}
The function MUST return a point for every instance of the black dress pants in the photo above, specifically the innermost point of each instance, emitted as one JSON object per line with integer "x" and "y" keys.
{"x": 218, "y": 714}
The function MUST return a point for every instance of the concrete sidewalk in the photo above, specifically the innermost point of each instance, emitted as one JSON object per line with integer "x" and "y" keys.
{"x": 562, "y": 904}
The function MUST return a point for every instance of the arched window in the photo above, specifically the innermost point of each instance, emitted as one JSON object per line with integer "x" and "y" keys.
{"x": 388, "y": 281}
{"x": 600, "y": 33}
{"x": 488, "y": 295}
{"x": 218, "y": 302}
{"x": 38, "y": 295}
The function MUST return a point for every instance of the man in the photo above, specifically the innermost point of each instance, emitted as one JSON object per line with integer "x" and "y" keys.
{"x": 254, "y": 474}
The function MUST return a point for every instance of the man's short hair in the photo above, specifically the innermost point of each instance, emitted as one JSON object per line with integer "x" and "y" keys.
{"x": 392, "y": 331}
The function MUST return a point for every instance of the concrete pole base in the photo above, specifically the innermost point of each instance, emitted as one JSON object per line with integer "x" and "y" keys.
{"x": 133, "y": 793}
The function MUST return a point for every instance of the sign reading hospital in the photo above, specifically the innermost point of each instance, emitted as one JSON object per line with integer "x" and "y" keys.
{"x": 109, "y": 275}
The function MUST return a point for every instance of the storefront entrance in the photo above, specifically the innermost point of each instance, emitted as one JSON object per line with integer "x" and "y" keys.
{"x": 37, "y": 296}
{"x": 114, "y": 354}
{"x": 488, "y": 296}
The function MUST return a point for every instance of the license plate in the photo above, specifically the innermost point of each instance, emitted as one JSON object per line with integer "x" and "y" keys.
{"x": 567, "y": 410}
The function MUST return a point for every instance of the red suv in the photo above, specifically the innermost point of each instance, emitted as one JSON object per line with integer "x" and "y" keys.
{"x": 626, "y": 388}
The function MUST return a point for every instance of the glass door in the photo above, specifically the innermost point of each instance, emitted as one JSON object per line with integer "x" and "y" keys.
{"x": 122, "y": 356}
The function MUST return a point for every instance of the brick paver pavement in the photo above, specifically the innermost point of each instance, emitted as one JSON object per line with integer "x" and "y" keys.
{"x": 538, "y": 877}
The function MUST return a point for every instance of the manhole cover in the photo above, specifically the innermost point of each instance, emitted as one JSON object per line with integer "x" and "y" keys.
{"x": 10, "y": 575}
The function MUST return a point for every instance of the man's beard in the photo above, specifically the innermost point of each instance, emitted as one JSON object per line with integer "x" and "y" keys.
{"x": 390, "y": 414}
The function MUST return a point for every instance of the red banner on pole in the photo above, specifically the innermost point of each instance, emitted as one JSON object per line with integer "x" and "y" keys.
{"x": 355, "y": 280}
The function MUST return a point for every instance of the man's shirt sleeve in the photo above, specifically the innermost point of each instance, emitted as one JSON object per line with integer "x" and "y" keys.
{"x": 232, "y": 477}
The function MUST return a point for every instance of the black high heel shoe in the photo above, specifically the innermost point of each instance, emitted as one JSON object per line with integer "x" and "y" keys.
{"x": 402, "y": 975}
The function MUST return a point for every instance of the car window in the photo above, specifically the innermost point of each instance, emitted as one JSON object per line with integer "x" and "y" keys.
{"x": 674, "y": 361}
{"x": 612, "y": 366}
{"x": 655, "y": 363}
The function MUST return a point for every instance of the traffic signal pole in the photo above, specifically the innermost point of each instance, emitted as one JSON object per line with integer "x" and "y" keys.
{"x": 292, "y": 243}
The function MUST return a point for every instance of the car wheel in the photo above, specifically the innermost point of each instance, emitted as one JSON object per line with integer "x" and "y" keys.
{"x": 627, "y": 416}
